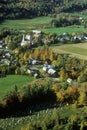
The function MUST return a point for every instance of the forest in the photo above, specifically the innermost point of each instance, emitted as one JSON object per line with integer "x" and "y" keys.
{"x": 19, "y": 9}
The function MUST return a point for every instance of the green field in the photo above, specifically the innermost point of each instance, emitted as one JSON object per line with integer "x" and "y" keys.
{"x": 41, "y": 23}
{"x": 7, "y": 83}
{"x": 26, "y": 24}
{"x": 76, "y": 50}
{"x": 72, "y": 29}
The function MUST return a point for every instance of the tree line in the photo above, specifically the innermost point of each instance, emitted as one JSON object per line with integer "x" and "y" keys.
{"x": 18, "y": 9}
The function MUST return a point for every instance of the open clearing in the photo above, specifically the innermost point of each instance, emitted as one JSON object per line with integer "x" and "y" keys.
{"x": 7, "y": 83}
{"x": 76, "y": 50}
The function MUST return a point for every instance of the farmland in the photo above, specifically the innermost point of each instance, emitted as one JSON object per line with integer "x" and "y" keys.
{"x": 76, "y": 50}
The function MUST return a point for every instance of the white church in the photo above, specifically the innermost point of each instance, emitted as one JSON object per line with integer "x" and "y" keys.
{"x": 27, "y": 40}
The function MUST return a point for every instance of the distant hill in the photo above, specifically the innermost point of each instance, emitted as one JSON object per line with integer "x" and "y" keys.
{"x": 19, "y": 9}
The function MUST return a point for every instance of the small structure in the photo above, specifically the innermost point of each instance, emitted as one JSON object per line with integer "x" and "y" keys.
{"x": 5, "y": 61}
{"x": 69, "y": 80}
{"x": 1, "y": 44}
{"x": 36, "y": 75}
{"x": 7, "y": 55}
{"x": 34, "y": 61}
{"x": 45, "y": 67}
{"x": 51, "y": 71}
{"x": 33, "y": 71}
{"x": 36, "y": 33}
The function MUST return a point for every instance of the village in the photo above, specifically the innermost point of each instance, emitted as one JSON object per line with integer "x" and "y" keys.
{"x": 43, "y": 65}
{"x": 36, "y": 67}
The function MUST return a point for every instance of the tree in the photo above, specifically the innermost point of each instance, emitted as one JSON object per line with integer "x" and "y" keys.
{"x": 17, "y": 71}
{"x": 60, "y": 96}
{"x": 82, "y": 99}
{"x": 56, "y": 116}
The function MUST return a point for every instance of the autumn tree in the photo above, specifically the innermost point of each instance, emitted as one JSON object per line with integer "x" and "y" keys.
{"x": 82, "y": 99}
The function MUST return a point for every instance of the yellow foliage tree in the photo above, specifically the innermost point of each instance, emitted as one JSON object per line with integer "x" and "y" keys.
{"x": 60, "y": 96}
{"x": 25, "y": 57}
{"x": 56, "y": 88}
{"x": 82, "y": 100}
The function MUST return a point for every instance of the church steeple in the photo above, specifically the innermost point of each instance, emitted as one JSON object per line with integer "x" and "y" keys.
{"x": 23, "y": 39}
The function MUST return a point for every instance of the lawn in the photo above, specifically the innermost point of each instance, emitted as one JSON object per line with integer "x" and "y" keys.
{"x": 7, "y": 83}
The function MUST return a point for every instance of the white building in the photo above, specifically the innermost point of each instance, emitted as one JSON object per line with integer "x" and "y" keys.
{"x": 26, "y": 40}
{"x": 36, "y": 33}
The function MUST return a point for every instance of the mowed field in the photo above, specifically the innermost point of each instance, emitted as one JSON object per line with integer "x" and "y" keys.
{"x": 7, "y": 83}
{"x": 76, "y": 50}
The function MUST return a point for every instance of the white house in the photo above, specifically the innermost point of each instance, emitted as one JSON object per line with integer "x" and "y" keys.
{"x": 5, "y": 61}
{"x": 51, "y": 71}
{"x": 45, "y": 68}
{"x": 36, "y": 33}
{"x": 33, "y": 71}
{"x": 69, "y": 80}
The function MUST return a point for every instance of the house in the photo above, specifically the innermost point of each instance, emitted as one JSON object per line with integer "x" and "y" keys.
{"x": 69, "y": 80}
{"x": 45, "y": 67}
{"x": 36, "y": 33}
{"x": 5, "y": 61}
{"x": 33, "y": 71}
{"x": 36, "y": 75}
{"x": 34, "y": 61}
{"x": 51, "y": 71}
{"x": 1, "y": 44}
{"x": 7, "y": 55}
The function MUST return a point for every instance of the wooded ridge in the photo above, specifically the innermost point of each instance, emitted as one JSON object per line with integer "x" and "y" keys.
{"x": 19, "y": 9}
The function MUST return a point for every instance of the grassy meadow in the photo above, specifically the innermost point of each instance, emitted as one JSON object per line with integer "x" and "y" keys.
{"x": 7, "y": 83}
{"x": 26, "y": 24}
{"x": 61, "y": 30}
{"x": 77, "y": 50}
{"x": 40, "y": 23}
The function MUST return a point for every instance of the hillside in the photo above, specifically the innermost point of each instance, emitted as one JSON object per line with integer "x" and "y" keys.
{"x": 16, "y": 9}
